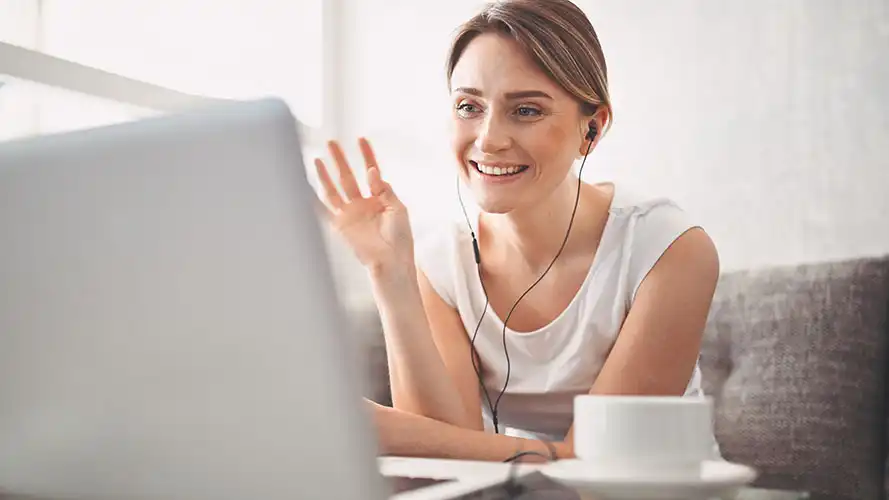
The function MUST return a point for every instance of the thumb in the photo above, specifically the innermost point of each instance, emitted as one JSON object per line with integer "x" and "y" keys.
{"x": 380, "y": 188}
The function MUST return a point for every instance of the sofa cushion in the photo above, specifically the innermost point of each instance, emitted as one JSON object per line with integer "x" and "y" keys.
{"x": 794, "y": 358}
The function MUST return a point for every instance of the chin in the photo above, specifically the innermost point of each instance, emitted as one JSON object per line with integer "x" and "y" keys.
{"x": 500, "y": 206}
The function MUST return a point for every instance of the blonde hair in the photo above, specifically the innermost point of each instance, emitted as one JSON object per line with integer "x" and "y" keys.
{"x": 557, "y": 36}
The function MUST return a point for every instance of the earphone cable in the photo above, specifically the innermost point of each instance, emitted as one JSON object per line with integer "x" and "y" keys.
{"x": 561, "y": 248}
{"x": 474, "y": 354}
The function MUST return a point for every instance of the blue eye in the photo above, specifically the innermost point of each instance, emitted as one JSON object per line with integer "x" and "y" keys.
{"x": 526, "y": 111}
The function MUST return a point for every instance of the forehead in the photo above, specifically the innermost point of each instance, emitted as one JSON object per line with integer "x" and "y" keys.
{"x": 495, "y": 64}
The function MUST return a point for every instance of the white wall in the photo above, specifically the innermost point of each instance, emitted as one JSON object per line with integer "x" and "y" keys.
{"x": 768, "y": 120}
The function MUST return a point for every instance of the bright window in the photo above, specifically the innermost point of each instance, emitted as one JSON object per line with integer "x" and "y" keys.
{"x": 214, "y": 48}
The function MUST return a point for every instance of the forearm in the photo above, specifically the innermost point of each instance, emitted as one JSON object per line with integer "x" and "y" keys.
{"x": 419, "y": 381}
{"x": 405, "y": 434}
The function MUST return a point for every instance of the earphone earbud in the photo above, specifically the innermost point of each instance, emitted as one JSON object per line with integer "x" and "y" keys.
{"x": 592, "y": 131}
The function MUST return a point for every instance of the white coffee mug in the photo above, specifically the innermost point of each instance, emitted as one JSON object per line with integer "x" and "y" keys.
{"x": 651, "y": 435}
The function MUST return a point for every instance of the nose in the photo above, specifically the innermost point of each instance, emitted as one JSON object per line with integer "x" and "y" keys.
{"x": 492, "y": 136}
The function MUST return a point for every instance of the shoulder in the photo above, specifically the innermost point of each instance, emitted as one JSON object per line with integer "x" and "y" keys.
{"x": 662, "y": 237}
{"x": 633, "y": 203}
{"x": 440, "y": 254}
{"x": 442, "y": 241}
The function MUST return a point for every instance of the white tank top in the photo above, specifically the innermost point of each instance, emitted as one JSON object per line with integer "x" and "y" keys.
{"x": 553, "y": 364}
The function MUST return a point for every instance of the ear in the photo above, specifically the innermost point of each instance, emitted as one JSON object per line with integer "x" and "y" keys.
{"x": 590, "y": 132}
{"x": 598, "y": 120}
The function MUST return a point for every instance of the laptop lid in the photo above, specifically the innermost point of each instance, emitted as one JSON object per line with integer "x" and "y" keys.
{"x": 168, "y": 323}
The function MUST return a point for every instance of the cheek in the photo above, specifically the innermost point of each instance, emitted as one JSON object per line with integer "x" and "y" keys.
{"x": 551, "y": 146}
{"x": 462, "y": 136}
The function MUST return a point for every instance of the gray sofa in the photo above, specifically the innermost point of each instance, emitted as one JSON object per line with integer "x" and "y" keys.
{"x": 794, "y": 358}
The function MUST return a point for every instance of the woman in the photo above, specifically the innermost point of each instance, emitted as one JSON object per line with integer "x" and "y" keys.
{"x": 622, "y": 284}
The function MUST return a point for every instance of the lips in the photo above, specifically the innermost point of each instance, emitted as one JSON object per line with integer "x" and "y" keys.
{"x": 498, "y": 169}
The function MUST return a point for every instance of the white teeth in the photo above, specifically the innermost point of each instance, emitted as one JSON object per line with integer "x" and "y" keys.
{"x": 488, "y": 170}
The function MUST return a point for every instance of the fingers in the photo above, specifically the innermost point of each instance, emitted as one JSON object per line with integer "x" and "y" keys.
{"x": 370, "y": 159}
{"x": 331, "y": 194}
{"x": 347, "y": 179}
{"x": 375, "y": 181}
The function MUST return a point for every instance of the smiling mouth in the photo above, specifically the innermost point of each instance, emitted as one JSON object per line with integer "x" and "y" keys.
{"x": 498, "y": 171}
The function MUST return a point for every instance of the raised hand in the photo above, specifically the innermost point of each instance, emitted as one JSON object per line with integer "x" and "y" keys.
{"x": 376, "y": 227}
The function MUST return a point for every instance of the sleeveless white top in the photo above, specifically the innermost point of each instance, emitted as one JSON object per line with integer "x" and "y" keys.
{"x": 552, "y": 365}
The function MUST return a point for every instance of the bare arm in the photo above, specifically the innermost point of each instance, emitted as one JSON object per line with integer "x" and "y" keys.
{"x": 405, "y": 434}
{"x": 420, "y": 380}
{"x": 658, "y": 345}
{"x": 377, "y": 228}
{"x": 449, "y": 335}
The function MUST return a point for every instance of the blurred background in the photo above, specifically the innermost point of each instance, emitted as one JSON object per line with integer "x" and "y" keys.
{"x": 768, "y": 121}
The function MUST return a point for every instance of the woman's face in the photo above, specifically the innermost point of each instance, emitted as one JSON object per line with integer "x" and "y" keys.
{"x": 516, "y": 133}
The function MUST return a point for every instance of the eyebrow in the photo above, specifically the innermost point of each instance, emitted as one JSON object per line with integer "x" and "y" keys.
{"x": 521, "y": 94}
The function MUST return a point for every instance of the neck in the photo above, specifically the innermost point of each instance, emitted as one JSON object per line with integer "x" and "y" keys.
{"x": 536, "y": 234}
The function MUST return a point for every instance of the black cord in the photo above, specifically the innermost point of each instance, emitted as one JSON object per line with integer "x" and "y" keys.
{"x": 512, "y": 487}
{"x": 527, "y": 453}
{"x": 474, "y": 354}
{"x": 561, "y": 248}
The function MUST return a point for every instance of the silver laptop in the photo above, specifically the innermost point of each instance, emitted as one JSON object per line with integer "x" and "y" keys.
{"x": 168, "y": 324}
